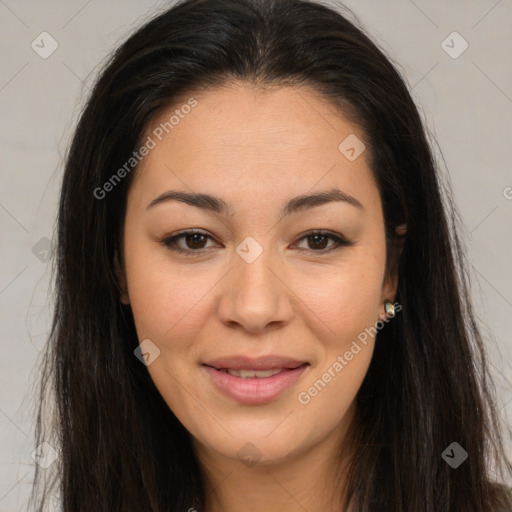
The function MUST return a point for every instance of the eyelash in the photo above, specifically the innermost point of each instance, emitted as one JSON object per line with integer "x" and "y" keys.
{"x": 170, "y": 242}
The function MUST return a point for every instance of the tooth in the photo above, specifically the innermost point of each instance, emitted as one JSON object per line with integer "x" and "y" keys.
{"x": 245, "y": 374}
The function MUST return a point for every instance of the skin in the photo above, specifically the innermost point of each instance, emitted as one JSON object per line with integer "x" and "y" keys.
{"x": 256, "y": 149}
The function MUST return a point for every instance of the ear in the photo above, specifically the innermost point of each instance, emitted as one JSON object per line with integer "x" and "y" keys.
{"x": 390, "y": 284}
{"x": 121, "y": 279}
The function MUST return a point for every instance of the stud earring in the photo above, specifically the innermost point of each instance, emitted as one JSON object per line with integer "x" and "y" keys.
{"x": 390, "y": 309}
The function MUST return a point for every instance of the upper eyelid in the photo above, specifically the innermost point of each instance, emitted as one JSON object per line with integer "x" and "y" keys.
{"x": 333, "y": 237}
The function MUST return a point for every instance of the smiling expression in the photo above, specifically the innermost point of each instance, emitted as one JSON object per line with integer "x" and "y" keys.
{"x": 284, "y": 268}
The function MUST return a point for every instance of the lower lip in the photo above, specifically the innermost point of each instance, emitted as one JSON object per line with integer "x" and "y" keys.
{"x": 254, "y": 390}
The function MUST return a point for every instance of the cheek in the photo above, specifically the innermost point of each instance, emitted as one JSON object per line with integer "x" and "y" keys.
{"x": 166, "y": 307}
{"x": 163, "y": 297}
{"x": 169, "y": 309}
{"x": 348, "y": 304}
{"x": 347, "y": 299}
{"x": 350, "y": 310}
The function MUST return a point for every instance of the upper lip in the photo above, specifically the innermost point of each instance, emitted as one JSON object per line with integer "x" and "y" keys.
{"x": 258, "y": 363}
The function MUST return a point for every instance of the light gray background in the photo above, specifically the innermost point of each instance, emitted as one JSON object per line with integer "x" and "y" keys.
{"x": 466, "y": 102}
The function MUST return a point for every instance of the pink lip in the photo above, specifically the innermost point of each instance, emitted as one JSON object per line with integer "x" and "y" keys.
{"x": 255, "y": 390}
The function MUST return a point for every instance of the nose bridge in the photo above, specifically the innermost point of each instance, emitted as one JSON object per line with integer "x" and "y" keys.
{"x": 254, "y": 296}
{"x": 253, "y": 263}
{"x": 255, "y": 282}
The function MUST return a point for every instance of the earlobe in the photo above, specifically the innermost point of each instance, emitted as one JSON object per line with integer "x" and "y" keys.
{"x": 121, "y": 280}
{"x": 390, "y": 287}
{"x": 401, "y": 230}
{"x": 124, "y": 299}
{"x": 398, "y": 247}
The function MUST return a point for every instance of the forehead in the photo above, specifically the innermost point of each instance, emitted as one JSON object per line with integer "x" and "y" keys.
{"x": 259, "y": 143}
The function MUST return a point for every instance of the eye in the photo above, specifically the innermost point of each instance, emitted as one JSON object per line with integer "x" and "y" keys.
{"x": 318, "y": 240}
{"x": 195, "y": 242}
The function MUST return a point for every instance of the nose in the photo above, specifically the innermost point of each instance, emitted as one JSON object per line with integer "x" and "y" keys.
{"x": 256, "y": 297}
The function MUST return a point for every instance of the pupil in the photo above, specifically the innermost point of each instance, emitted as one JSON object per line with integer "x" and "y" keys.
{"x": 315, "y": 238}
{"x": 195, "y": 237}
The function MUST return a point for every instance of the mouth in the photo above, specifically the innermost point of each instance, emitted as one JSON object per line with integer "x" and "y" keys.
{"x": 254, "y": 381}
{"x": 247, "y": 374}
{"x": 259, "y": 364}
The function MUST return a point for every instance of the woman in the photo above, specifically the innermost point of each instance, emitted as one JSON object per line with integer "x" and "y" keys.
{"x": 261, "y": 304}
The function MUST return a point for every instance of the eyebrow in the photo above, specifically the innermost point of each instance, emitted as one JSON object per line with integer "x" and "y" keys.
{"x": 219, "y": 206}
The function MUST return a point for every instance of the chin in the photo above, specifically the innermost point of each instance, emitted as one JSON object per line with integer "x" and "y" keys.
{"x": 252, "y": 447}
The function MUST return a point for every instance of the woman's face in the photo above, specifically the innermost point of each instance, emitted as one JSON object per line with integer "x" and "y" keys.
{"x": 253, "y": 291}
